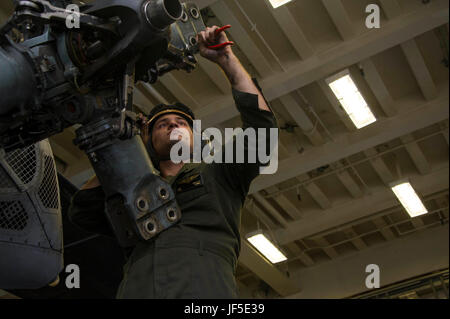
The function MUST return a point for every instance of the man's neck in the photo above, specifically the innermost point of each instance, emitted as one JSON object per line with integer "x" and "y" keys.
{"x": 169, "y": 168}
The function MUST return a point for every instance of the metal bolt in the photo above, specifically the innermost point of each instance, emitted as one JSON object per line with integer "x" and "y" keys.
{"x": 163, "y": 193}
{"x": 142, "y": 204}
{"x": 193, "y": 40}
{"x": 150, "y": 227}
{"x": 194, "y": 13}
{"x": 184, "y": 17}
{"x": 172, "y": 215}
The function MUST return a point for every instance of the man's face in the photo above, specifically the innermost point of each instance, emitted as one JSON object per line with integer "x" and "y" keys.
{"x": 161, "y": 133}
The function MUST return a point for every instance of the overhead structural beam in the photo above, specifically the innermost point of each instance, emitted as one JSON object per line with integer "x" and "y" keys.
{"x": 300, "y": 254}
{"x": 337, "y": 58}
{"x": 153, "y": 92}
{"x": 358, "y": 49}
{"x": 360, "y": 208}
{"x": 215, "y": 74}
{"x": 379, "y": 166}
{"x": 336, "y": 105}
{"x": 283, "y": 151}
{"x": 260, "y": 215}
{"x": 445, "y": 134}
{"x": 82, "y": 167}
{"x": 251, "y": 259}
{"x": 349, "y": 183}
{"x": 77, "y": 161}
{"x": 177, "y": 89}
{"x": 378, "y": 87}
{"x": 417, "y": 254}
{"x": 290, "y": 141}
{"x": 355, "y": 239}
{"x": 419, "y": 69}
{"x": 242, "y": 38}
{"x": 444, "y": 127}
{"x": 318, "y": 195}
{"x": 338, "y": 14}
{"x": 291, "y": 29}
{"x": 63, "y": 147}
{"x": 325, "y": 246}
{"x": 62, "y": 153}
{"x": 274, "y": 212}
{"x": 290, "y": 209}
{"x": 142, "y": 101}
{"x": 201, "y": 3}
{"x": 386, "y": 231}
{"x": 417, "y": 222}
{"x": 391, "y": 8}
{"x": 302, "y": 120}
{"x": 416, "y": 154}
{"x": 285, "y": 203}
{"x": 407, "y": 121}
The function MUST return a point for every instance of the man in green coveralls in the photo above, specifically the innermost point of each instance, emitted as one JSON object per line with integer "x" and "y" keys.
{"x": 197, "y": 257}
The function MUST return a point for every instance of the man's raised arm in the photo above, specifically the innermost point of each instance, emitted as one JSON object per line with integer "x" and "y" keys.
{"x": 239, "y": 78}
{"x": 256, "y": 115}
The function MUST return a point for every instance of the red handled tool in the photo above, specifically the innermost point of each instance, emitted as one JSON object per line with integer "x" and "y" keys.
{"x": 221, "y": 45}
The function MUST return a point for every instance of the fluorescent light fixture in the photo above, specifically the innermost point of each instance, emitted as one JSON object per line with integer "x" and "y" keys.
{"x": 278, "y": 3}
{"x": 351, "y": 99}
{"x": 266, "y": 247}
{"x": 409, "y": 199}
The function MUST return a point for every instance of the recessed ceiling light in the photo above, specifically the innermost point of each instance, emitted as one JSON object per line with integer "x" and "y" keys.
{"x": 409, "y": 199}
{"x": 351, "y": 99}
{"x": 278, "y": 3}
{"x": 266, "y": 247}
